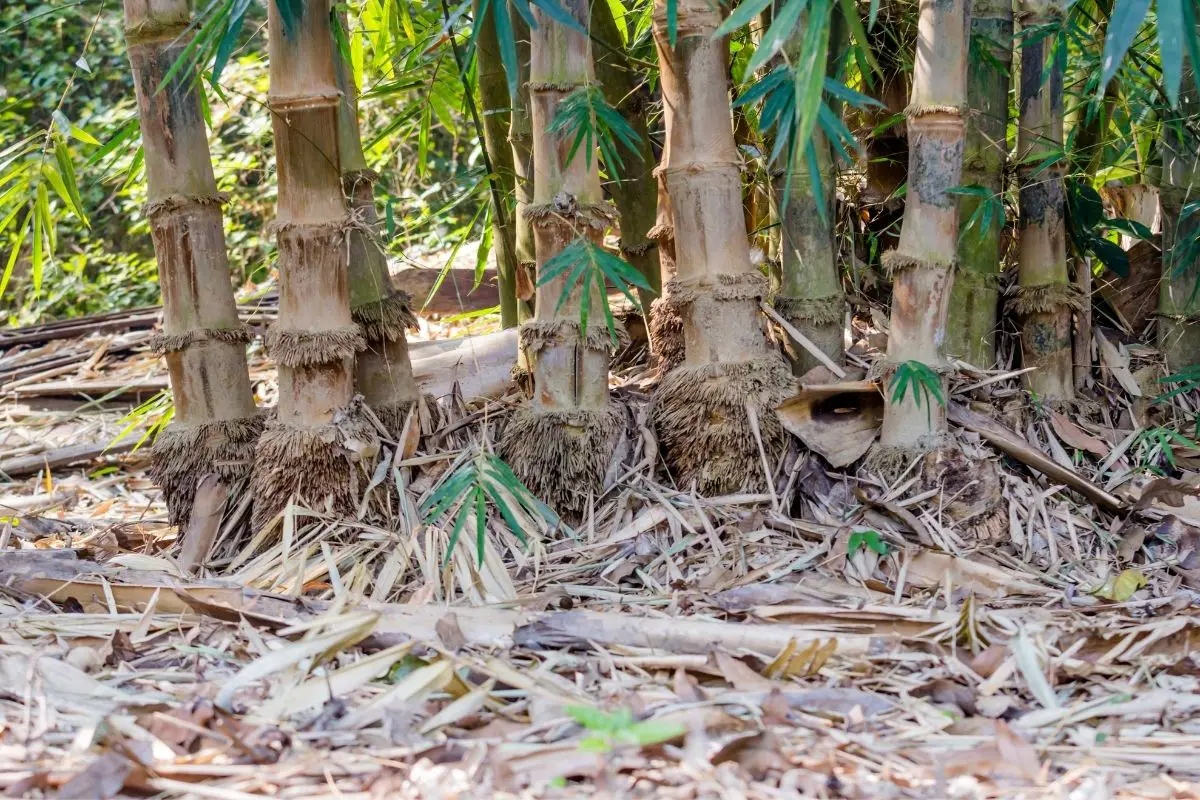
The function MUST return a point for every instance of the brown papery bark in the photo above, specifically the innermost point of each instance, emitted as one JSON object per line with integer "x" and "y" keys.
{"x": 1045, "y": 296}
{"x": 215, "y": 424}
{"x": 304, "y": 451}
{"x": 713, "y": 411}
{"x": 560, "y": 443}
{"x": 923, "y": 263}
{"x": 382, "y": 372}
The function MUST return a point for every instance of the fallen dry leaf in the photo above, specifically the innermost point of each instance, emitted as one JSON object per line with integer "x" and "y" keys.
{"x": 1076, "y": 437}
{"x": 759, "y": 754}
{"x": 947, "y": 692}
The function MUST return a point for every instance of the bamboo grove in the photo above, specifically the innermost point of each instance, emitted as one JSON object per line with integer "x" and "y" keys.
{"x": 752, "y": 177}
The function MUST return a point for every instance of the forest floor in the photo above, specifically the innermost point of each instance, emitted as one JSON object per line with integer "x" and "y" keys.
{"x": 834, "y": 637}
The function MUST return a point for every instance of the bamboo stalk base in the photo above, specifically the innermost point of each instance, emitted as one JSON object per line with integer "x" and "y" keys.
{"x": 182, "y": 455}
{"x": 314, "y": 464}
{"x": 702, "y": 418}
{"x": 562, "y": 456}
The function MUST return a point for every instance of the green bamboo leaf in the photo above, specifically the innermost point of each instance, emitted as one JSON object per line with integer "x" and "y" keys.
{"x": 290, "y": 13}
{"x": 850, "y": 14}
{"x": 480, "y": 523}
{"x": 555, "y": 11}
{"x": 460, "y": 520}
{"x": 507, "y": 39}
{"x": 873, "y": 14}
{"x": 229, "y": 36}
{"x": 37, "y": 256}
{"x": 810, "y": 73}
{"x": 506, "y": 512}
{"x": 81, "y": 135}
{"x": 746, "y": 12}
{"x": 779, "y": 33}
{"x": 1123, "y": 26}
{"x": 128, "y": 130}
{"x": 67, "y": 171}
{"x": 672, "y": 22}
{"x": 13, "y": 254}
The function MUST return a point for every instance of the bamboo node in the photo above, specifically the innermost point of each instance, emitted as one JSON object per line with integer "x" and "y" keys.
{"x": 558, "y": 86}
{"x": 163, "y": 343}
{"x": 536, "y": 335}
{"x": 663, "y": 230}
{"x": 812, "y": 310}
{"x": 566, "y": 209}
{"x": 894, "y": 262}
{"x": 351, "y": 180}
{"x": 882, "y": 370}
{"x": 295, "y": 347}
{"x": 180, "y": 202}
{"x": 155, "y": 29}
{"x": 917, "y": 110}
{"x": 1045, "y": 299}
{"x": 729, "y": 287}
{"x": 304, "y": 102}
{"x": 637, "y": 250}
{"x": 385, "y": 319}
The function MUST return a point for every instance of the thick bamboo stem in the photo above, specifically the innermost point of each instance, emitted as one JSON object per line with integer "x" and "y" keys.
{"x": 971, "y": 330}
{"x": 495, "y": 104}
{"x": 1179, "y": 294}
{"x": 715, "y": 410}
{"x": 1045, "y": 295}
{"x": 216, "y": 423}
{"x": 315, "y": 339}
{"x": 923, "y": 263}
{"x": 382, "y": 372}
{"x": 520, "y": 138}
{"x": 560, "y": 443}
{"x": 633, "y": 190}
{"x": 810, "y": 295}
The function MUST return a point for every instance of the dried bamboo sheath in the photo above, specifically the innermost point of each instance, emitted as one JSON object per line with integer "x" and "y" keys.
{"x": 215, "y": 423}
{"x": 315, "y": 340}
{"x": 707, "y": 410}
{"x": 559, "y": 444}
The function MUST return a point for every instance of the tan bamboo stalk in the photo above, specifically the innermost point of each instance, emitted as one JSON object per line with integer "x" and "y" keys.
{"x": 1179, "y": 293}
{"x": 632, "y": 187}
{"x": 666, "y": 320}
{"x": 215, "y": 424}
{"x": 560, "y": 443}
{"x": 520, "y": 137}
{"x": 306, "y": 451}
{"x": 971, "y": 330}
{"x": 923, "y": 263}
{"x": 495, "y": 104}
{"x": 713, "y": 411}
{"x": 382, "y": 372}
{"x": 810, "y": 294}
{"x": 1045, "y": 296}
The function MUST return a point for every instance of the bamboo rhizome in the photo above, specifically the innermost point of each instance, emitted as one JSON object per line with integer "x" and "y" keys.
{"x": 311, "y": 448}
{"x": 1045, "y": 296}
{"x": 382, "y": 371}
{"x": 715, "y": 412}
{"x": 559, "y": 444}
{"x": 923, "y": 264}
{"x": 974, "y": 302}
{"x": 215, "y": 424}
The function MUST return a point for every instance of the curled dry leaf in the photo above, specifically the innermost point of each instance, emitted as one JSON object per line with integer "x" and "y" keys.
{"x": 942, "y": 691}
{"x": 1165, "y": 492}
{"x": 759, "y": 754}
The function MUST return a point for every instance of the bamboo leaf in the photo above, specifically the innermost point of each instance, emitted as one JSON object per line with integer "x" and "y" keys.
{"x": 850, "y": 14}
{"x": 746, "y": 12}
{"x": 290, "y": 14}
{"x": 555, "y": 11}
{"x": 13, "y": 254}
{"x": 779, "y": 33}
{"x": 233, "y": 27}
{"x": 1123, "y": 26}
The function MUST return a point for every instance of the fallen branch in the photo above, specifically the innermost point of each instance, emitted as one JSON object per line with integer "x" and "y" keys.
{"x": 62, "y": 457}
{"x": 1018, "y": 448}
